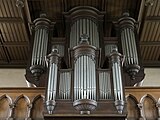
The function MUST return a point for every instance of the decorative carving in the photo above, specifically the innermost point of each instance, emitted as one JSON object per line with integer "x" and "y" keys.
{"x": 140, "y": 106}
{"x": 20, "y": 3}
{"x": 158, "y": 107}
{"x": 85, "y": 105}
{"x": 50, "y": 105}
{"x": 149, "y": 2}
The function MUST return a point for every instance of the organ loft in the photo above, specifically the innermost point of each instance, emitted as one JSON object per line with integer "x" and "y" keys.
{"x": 84, "y": 74}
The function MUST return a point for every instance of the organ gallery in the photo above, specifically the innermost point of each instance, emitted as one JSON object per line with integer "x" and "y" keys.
{"x": 84, "y": 71}
{"x": 82, "y": 59}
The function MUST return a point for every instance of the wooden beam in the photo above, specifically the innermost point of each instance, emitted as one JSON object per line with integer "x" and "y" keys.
{"x": 153, "y": 18}
{"x": 11, "y": 44}
{"x": 151, "y": 63}
{"x": 11, "y": 20}
{"x": 150, "y": 43}
{"x": 13, "y": 64}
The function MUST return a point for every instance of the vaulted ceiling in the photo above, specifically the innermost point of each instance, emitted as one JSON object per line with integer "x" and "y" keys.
{"x": 15, "y": 34}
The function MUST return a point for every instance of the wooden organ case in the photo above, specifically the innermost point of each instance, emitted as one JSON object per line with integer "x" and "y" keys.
{"x": 80, "y": 86}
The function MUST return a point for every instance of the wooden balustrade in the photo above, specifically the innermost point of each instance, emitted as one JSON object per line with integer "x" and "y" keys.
{"x": 28, "y": 103}
{"x": 21, "y": 103}
{"x": 143, "y": 103}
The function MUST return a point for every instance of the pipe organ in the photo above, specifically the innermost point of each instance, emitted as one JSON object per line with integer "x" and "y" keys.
{"x": 84, "y": 76}
{"x": 52, "y": 80}
{"x": 117, "y": 79}
{"x": 41, "y": 27}
{"x": 83, "y": 86}
{"x": 64, "y": 84}
{"x": 127, "y": 33}
{"x": 84, "y": 26}
{"x": 104, "y": 84}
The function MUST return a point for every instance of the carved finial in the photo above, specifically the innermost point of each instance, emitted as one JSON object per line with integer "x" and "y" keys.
{"x": 114, "y": 48}
{"x": 54, "y": 49}
{"x": 20, "y": 3}
{"x": 84, "y": 39}
{"x": 149, "y": 2}
{"x": 125, "y": 14}
{"x": 43, "y": 15}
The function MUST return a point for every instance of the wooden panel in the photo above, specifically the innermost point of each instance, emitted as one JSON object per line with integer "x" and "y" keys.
{"x": 143, "y": 102}
{"x": 8, "y": 8}
{"x": 21, "y": 107}
{"x": 133, "y": 112}
{"x": 150, "y": 107}
{"x": 4, "y": 106}
{"x": 147, "y": 100}
{"x": 21, "y": 103}
{"x": 38, "y": 107}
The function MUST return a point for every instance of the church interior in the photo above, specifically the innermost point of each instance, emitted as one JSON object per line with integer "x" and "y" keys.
{"x": 82, "y": 59}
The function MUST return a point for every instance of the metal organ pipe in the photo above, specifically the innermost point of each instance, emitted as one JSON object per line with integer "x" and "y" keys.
{"x": 127, "y": 28}
{"x": 84, "y": 26}
{"x": 42, "y": 25}
{"x": 104, "y": 84}
{"x": 52, "y": 80}
{"x": 84, "y": 22}
{"x": 39, "y": 51}
{"x": 115, "y": 59}
{"x": 84, "y": 76}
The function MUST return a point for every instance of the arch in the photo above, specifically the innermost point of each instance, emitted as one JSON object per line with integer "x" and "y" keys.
{"x": 37, "y": 97}
{"x": 22, "y": 96}
{"x": 131, "y": 96}
{"x": 5, "y": 102}
{"x": 132, "y": 108}
{"x": 149, "y": 106}
{"x": 8, "y": 98}
{"x": 21, "y": 109}
{"x": 37, "y": 107}
{"x": 147, "y": 95}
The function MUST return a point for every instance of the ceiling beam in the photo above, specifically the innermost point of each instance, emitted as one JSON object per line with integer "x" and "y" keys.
{"x": 150, "y": 43}
{"x": 11, "y": 20}
{"x": 153, "y": 18}
{"x": 151, "y": 63}
{"x": 11, "y": 44}
{"x": 13, "y": 64}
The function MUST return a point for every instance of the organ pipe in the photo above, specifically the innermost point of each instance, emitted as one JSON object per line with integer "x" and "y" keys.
{"x": 65, "y": 84}
{"x": 84, "y": 26}
{"x": 115, "y": 59}
{"x": 104, "y": 85}
{"x": 52, "y": 80}
{"x": 129, "y": 48}
{"x": 84, "y": 76}
{"x": 39, "y": 51}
